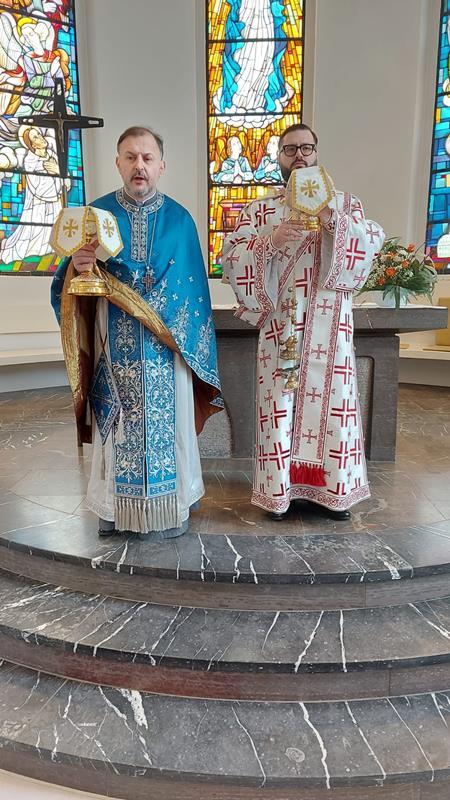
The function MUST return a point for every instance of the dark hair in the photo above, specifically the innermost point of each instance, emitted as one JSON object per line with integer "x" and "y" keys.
{"x": 299, "y": 126}
{"x": 141, "y": 130}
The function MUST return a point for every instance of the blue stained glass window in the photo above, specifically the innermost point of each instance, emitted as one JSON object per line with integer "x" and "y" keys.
{"x": 255, "y": 78}
{"x": 37, "y": 45}
{"x": 438, "y": 224}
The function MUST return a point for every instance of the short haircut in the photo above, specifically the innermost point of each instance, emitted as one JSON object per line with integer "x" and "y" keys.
{"x": 141, "y": 130}
{"x": 299, "y": 126}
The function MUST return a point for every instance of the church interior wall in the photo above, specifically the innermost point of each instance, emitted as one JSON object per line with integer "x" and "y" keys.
{"x": 369, "y": 92}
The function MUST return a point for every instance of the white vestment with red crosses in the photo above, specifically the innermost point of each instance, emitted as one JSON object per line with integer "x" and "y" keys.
{"x": 316, "y": 428}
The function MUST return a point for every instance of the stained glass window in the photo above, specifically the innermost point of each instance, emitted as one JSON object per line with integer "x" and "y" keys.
{"x": 255, "y": 72}
{"x": 438, "y": 228}
{"x": 37, "y": 45}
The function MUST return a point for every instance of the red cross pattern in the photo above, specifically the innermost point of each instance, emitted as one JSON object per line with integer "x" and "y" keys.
{"x": 314, "y": 395}
{"x": 268, "y": 397}
{"x": 304, "y": 281}
{"x": 354, "y": 254}
{"x": 310, "y": 436}
{"x": 251, "y": 242}
{"x": 263, "y": 418}
{"x": 319, "y": 352}
{"x": 282, "y": 491}
{"x": 262, "y": 457}
{"x": 247, "y": 280}
{"x": 357, "y": 212}
{"x": 341, "y": 455}
{"x": 325, "y": 308}
{"x": 282, "y": 254}
{"x": 238, "y": 240}
{"x": 264, "y": 358}
{"x": 345, "y": 413}
{"x": 243, "y": 222}
{"x": 275, "y": 331}
{"x": 232, "y": 260}
{"x": 346, "y": 370}
{"x": 277, "y": 414}
{"x": 339, "y": 491}
{"x": 356, "y": 452}
{"x": 359, "y": 279}
{"x": 300, "y": 324}
{"x": 346, "y": 327}
{"x": 263, "y": 213}
{"x": 279, "y": 455}
{"x": 372, "y": 232}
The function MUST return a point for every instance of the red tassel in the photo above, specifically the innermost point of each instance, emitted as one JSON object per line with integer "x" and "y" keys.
{"x": 309, "y": 474}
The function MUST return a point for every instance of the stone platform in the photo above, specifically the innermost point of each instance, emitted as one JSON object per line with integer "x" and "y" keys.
{"x": 301, "y": 660}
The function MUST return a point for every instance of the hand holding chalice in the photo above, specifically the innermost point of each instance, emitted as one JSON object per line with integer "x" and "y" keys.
{"x": 87, "y": 233}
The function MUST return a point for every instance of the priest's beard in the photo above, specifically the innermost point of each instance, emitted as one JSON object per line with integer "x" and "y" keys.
{"x": 286, "y": 171}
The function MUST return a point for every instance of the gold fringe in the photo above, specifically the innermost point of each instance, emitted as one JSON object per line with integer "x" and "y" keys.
{"x": 149, "y": 514}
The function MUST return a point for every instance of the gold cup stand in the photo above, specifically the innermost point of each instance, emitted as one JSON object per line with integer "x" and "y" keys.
{"x": 89, "y": 283}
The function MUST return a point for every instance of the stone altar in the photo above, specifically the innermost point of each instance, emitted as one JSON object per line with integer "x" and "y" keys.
{"x": 377, "y": 358}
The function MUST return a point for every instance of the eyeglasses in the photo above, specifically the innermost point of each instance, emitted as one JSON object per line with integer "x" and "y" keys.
{"x": 290, "y": 150}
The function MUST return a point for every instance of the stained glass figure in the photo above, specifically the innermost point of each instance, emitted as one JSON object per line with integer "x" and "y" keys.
{"x": 255, "y": 66}
{"x": 37, "y": 47}
{"x": 439, "y": 196}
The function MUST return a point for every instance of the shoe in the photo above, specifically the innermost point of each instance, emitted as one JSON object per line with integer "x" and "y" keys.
{"x": 339, "y": 516}
{"x": 106, "y": 527}
{"x": 277, "y": 516}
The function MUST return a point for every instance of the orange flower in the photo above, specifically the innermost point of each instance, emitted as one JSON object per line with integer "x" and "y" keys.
{"x": 411, "y": 248}
{"x": 405, "y": 263}
{"x": 381, "y": 281}
{"x": 389, "y": 272}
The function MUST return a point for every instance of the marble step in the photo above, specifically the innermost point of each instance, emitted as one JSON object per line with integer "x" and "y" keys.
{"x": 129, "y": 744}
{"x": 311, "y": 571}
{"x": 212, "y": 653}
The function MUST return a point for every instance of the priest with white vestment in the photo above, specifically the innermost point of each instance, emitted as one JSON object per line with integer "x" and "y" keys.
{"x": 296, "y": 285}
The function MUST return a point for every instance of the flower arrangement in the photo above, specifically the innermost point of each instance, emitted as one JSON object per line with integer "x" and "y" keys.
{"x": 400, "y": 271}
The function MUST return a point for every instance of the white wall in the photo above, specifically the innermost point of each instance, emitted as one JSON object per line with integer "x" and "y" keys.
{"x": 369, "y": 92}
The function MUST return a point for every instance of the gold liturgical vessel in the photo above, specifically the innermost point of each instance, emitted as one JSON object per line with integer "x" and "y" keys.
{"x": 76, "y": 227}
{"x": 308, "y": 191}
{"x": 89, "y": 284}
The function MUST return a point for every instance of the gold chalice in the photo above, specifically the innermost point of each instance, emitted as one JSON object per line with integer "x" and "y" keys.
{"x": 76, "y": 227}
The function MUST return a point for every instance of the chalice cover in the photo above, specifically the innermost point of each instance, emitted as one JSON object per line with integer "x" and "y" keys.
{"x": 309, "y": 189}
{"x": 76, "y": 227}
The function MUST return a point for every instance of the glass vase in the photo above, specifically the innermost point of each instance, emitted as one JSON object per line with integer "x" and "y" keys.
{"x": 397, "y": 297}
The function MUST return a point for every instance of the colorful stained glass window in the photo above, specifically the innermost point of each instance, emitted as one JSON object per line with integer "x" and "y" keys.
{"x": 37, "y": 45}
{"x": 255, "y": 72}
{"x": 438, "y": 228}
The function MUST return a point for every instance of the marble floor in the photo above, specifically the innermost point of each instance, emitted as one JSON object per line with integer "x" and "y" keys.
{"x": 43, "y": 474}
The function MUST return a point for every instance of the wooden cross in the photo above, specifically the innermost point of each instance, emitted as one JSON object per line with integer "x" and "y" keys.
{"x": 62, "y": 123}
{"x": 148, "y": 281}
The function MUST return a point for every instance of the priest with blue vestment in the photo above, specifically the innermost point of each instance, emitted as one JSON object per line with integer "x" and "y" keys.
{"x": 141, "y": 398}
